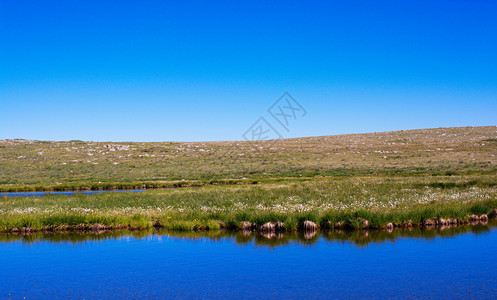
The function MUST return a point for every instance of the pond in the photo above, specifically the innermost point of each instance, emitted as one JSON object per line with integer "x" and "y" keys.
{"x": 68, "y": 193}
{"x": 450, "y": 263}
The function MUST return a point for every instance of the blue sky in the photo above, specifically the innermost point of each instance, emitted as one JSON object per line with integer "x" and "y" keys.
{"x": 198, "y": 71}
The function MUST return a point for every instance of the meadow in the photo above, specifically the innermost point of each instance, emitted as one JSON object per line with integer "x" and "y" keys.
{"x": 42, "y": 165}
{"x": 380, "y": 200}
{"x": 393, "y": 177}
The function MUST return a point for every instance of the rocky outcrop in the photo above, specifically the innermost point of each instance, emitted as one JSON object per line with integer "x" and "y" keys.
{"x": 309, "y": 226}
{"x": 273, "y": 227}
{"x": 474, "y": 218}
{"x": 428, "y": 223}
{"x": 441, "y": 222}
{"x": 268, "y": 227}
{"x": 246, "y": 226}
{"x": 279, "y": 227}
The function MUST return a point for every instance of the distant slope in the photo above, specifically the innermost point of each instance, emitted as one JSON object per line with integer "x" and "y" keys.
{"x": 458, "y": 150}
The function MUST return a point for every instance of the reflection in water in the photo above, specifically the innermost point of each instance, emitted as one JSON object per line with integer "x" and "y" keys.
{"x": 404, "y": 263}
{"x": 271, "y": 239}
{"x": 67, "y": 193}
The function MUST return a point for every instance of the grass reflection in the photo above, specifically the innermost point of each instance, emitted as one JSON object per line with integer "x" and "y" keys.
{"x": 360, "y": 238}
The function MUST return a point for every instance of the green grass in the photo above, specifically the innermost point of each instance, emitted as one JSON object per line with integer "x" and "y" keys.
{"x": 380, "y": 200}
{"x": 380, "y": 177}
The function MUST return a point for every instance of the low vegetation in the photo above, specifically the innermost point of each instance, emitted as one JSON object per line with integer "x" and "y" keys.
{"x": 40, "y": 165}
{"x": 380, "y": 200}
{"x": 391, "y": 177}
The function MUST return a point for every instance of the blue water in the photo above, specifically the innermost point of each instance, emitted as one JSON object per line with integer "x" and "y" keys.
{"x": 69, "y": 193}
{"x": 426, "y": 265}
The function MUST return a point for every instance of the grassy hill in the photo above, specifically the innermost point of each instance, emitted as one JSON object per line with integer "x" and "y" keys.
{"x": 29, "y": 165}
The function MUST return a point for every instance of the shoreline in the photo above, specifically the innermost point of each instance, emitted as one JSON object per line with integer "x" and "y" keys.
{"x": 134, "y": 186}
{"x": 359, "y": 238}
{"x": 268, "y": 228}
{"x": 285, "y": 205}
{"x": 438, "y": 180}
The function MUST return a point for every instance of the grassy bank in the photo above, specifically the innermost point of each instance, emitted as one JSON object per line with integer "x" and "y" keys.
{"x": 345, "y": 200}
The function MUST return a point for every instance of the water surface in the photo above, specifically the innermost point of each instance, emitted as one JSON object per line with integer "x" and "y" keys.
{"x": 453, "y": 263}
{"x": 68, "y": 193}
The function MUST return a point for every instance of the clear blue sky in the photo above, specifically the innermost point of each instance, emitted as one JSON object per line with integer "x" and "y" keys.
{"x": 192, "y": 71}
